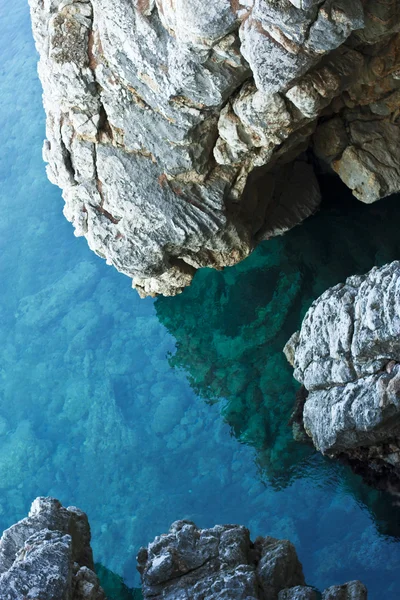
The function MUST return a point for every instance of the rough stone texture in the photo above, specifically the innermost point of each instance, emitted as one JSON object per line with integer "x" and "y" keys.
{"x": 162, "y": 114}
{"x": 48, "y": 556}
{"x": 361, "y": 142}
{"x": 298, "y": 592}
{"x": 222, "y": 563}
{"x": 347, "y": 355}
{"x": 354, "y": 590}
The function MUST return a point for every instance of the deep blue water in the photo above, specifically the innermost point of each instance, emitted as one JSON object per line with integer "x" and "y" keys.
{"x": 141, "y": 412}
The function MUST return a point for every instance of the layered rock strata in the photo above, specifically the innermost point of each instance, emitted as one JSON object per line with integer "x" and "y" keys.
{"x": 172, "y": 127}
{"x": 48, "y": 556}
{"x": 222, "y": 563}
{"x": 347, "y": 356}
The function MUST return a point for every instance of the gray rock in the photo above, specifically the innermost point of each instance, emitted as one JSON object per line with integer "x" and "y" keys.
{"x": 217, "y": 563}
{"x": 221, "y": 563}
{"x": 354, "y": 590}
{"x": 160, "y": 115}
{"x": 363, "y": 151}
{"x": 369, "y": 165}
{"x": 347, "y": 355}
{"x": 48, "y": 556}
{"x": 298, "y": 593}
{"x": 278, "y": 566}
{"x": 316, "y": 90}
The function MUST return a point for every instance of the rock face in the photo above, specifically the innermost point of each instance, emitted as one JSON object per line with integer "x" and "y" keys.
{"x": 48, "y": 556}
{"x": 347, "y": 355}
{"x": 222, "y": 563}
{"x": 176, "y": 128}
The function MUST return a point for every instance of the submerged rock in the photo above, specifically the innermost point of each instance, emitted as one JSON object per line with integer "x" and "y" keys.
{"x": 347, "y": 355}
{"x": 48, "y": 556}
{"x": 170, "y": 126}
{"x": 223, "y": 563}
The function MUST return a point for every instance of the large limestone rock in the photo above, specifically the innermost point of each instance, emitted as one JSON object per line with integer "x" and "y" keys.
{"x": 347, "y": 355}
{"x": 222, "y": 563}
{"x": 48, "y": 556}
{"x": 168, "y": 123}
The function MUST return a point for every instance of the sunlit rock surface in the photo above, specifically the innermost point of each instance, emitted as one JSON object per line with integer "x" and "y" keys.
{"x": 48, "y": 556}
{"x": 347, "y": 356}
{"x": 170, "y": 124}
{"x": 222, "y": 563}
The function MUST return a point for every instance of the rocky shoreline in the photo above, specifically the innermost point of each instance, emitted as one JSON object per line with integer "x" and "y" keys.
{"x": 178, "y": 134}
{"x": 48, "y": 556}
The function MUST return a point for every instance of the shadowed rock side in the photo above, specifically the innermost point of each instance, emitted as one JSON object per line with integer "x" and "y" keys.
{"x": 172, "y": 127}
{"x": 223, "y": 563}
{"x": 48, "y": 556}
{"x": 347, "y": 355}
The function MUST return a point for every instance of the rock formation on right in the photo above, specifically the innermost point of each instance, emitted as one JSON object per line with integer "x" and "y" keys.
{"x": 347, "y": 356}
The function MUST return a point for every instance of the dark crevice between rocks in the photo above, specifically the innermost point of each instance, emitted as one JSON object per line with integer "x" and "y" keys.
{"x": 67, "y": 159}
{"x": 296, "y": 418}
{"x": 274, "y": 201}
{"x": 105, "y": 213}
{"x": 104, "y": 126}
{"x": 376, "y": 472}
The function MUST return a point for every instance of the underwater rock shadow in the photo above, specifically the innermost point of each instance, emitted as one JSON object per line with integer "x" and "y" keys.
{"x": 230, "y": 328}
{"x": 114, "y": 586}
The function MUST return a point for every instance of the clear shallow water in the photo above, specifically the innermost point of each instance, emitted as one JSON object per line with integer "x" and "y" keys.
{"x": 142, "y": 412}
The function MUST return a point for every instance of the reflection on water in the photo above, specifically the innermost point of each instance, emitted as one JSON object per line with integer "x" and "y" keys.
{"x": 114, "y": 586}
{"x": 230, "y": 327}
{"x": 92, "y": 412}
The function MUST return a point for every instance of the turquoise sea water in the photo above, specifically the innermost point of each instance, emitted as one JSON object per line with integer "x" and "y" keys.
{"x": 141, "y": 412}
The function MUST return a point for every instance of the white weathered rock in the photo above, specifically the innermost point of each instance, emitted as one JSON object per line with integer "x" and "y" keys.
{"x": 159, "y": 111}
{"x": 347, "y": 355}
{"x": 48, "y": 556}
